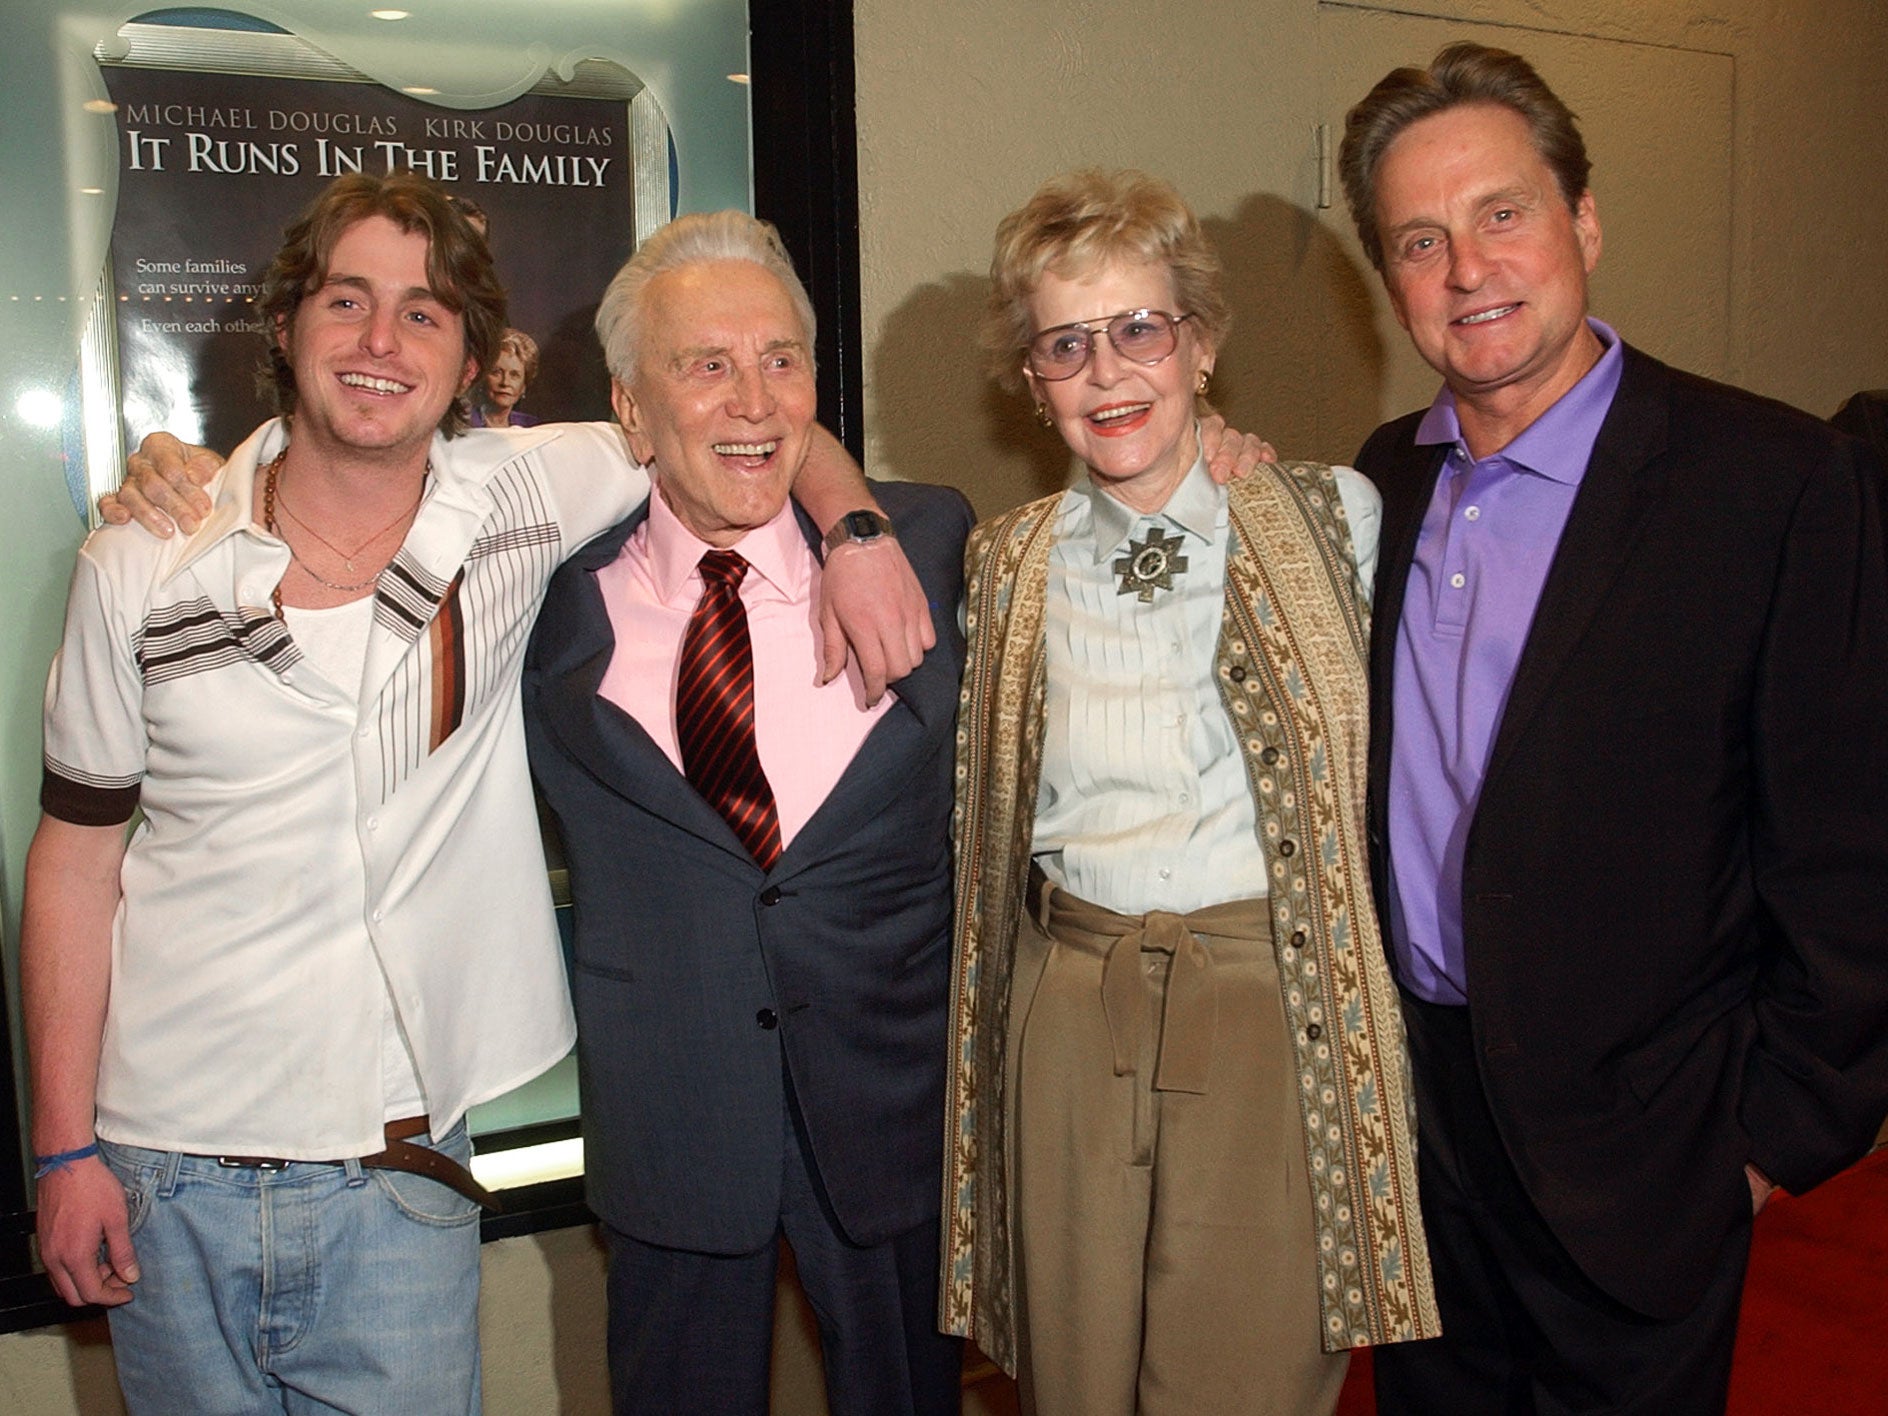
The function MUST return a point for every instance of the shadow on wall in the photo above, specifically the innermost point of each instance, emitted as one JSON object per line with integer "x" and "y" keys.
{"x": 1303, "y": 365}
{"x": 937, "y": 416}
{"x": 94, "y": 1374}
{"x": 578, "y": 1261}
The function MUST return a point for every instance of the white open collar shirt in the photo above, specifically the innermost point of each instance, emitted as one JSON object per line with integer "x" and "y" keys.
{"x": 304, "y": 840}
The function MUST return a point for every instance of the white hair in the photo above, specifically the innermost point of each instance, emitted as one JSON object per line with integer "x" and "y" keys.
{"x": 690, "y": 240}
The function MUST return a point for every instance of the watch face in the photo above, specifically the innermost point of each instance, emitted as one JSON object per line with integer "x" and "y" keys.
{"x": 857, "y": 526}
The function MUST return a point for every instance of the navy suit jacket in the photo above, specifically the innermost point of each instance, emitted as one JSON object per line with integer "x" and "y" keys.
{"x": 701, "y": 981}
{"x": 1675, "y": 893}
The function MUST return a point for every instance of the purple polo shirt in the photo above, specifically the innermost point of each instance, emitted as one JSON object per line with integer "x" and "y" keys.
{"x": 1487, "y": 539}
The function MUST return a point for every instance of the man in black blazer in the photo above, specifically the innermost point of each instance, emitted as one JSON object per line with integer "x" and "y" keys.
{"x": 761, "y": 1019}
{"x": 1628, "y": 818}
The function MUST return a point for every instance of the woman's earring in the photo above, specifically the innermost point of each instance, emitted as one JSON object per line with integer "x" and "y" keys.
{"x": 1206, "y": 377}
{"x": 1042, "y": 414}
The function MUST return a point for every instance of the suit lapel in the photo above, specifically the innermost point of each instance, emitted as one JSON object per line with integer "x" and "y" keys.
{"x": 573, "y": 648}
{"x": 884, "y": 759}
{"x": 575, "y": 642}
{"x": 1406, "y": 493}
{"x": 1403, "y": 505}
{"x": 883, "y": 763}
{"x": 1621, "y": 485}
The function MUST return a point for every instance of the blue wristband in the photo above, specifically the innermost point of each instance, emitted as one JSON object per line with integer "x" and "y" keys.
{"x": 44, "y": 1165}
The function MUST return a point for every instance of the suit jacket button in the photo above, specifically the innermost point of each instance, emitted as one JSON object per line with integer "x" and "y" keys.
{"x": 1237, "y": 673}
{"x": 1269, "y": 756}
{"x": 1287, "y": 847}
{"x": 768, "y": 1019}
{"x": 1314, "y": 1032}
{"x": 771, "y": 895}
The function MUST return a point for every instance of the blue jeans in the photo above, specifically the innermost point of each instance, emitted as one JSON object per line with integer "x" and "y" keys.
{"x": 315, "y": 1288}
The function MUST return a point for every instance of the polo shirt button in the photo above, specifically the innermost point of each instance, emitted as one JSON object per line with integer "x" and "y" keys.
{"x": 771, "y": 895}
{"x": 768, "y": 1019}
{"x": 1287, "y": 847}
{"x": 373, "y": 823}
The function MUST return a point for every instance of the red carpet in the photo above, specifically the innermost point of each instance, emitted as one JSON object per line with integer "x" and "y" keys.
{"x": 1814, "y": 1331}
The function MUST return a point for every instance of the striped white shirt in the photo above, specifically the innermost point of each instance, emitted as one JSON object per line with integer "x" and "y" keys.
{"x": 1143, "y": 803}
{"x": 305, "y": 840}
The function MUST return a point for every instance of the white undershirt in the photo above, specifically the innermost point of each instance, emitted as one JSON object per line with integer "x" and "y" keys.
{"x": 334, "y": 642}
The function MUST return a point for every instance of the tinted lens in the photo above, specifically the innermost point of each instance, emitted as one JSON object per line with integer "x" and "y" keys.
{"x": 1141, "y": 336}
{"x": 1059, "y": 353}
{"x": 1145, "y": 336}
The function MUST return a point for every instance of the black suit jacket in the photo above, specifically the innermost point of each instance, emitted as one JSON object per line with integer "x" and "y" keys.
{"x": 1675, "y": 892}
{"x": 698, "y": 977}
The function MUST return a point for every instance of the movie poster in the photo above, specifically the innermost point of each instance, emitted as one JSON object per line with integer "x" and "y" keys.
{"x": 214, "y": 165}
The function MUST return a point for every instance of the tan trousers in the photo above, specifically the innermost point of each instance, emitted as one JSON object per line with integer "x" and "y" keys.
{"x": 1163, "y": 1221}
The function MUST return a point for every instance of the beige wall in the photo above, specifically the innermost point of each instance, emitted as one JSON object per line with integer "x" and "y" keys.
{"x": 965, "y": 107}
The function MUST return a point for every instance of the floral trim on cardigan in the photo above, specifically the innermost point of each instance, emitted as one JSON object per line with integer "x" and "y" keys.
{"x": 1292, "y": 670}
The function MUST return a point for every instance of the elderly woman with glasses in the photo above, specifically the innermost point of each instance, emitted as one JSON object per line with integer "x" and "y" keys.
{"x": 1181, "y": 1177}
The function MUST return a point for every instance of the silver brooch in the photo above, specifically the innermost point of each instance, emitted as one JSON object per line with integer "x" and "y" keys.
{"x": 1150, "y": 565}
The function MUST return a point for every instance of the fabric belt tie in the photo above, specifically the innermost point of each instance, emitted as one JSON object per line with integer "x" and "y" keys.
{"x": 1190, "y": 1016}
{"x": 399, "y": 1154}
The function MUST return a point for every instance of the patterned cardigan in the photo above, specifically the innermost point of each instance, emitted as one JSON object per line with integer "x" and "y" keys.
{"x": 1291, "y": 668}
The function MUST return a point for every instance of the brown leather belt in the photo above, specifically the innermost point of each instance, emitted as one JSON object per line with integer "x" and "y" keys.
{"x": 400, "y": 1154}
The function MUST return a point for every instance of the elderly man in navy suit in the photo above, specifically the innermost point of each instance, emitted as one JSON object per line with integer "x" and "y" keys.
{"x": 1629, "y": 681}
{"x": 760, "y": 864}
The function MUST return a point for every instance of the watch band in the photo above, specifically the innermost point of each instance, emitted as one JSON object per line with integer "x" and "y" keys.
{"x": 858, "y": 526}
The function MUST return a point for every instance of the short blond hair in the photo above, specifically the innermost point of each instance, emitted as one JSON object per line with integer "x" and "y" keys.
{"x": 517, "y": 342}
{"x": 1080, "y": 221}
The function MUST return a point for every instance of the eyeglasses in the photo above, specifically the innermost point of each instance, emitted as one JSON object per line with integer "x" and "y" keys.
{"x": 1141, "y": 336}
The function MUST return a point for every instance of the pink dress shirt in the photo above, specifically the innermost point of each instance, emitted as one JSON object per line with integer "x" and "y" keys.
{"x": 807, "y": 734}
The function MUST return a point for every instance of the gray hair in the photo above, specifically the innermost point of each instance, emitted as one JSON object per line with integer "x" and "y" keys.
{"x": 690, "y": 240}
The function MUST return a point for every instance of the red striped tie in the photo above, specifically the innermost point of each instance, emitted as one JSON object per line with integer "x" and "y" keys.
{"x": 714, "y": 710}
